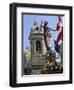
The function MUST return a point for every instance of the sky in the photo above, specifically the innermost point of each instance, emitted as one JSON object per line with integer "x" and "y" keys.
{"x": 28, "y": 21}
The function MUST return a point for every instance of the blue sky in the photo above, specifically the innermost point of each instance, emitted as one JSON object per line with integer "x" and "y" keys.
{"x": 28, "y": 21}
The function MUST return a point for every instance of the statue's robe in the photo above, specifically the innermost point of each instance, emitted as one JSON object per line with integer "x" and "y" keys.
{"x": 47, "y": 37}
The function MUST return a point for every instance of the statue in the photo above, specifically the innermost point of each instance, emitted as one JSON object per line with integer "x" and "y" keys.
{"x": 47, "y": 35}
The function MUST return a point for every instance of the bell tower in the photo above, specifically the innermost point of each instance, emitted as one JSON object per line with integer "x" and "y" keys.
{"x": 37, "y": 43}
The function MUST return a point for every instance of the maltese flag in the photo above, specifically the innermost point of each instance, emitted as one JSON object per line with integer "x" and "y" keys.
{"x": 59, "y": 28}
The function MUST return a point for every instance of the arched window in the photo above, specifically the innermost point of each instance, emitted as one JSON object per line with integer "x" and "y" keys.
{"x": 38, "y": 46}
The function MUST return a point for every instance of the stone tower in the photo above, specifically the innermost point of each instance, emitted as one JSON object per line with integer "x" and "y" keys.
{"x": 37, "y": 43}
